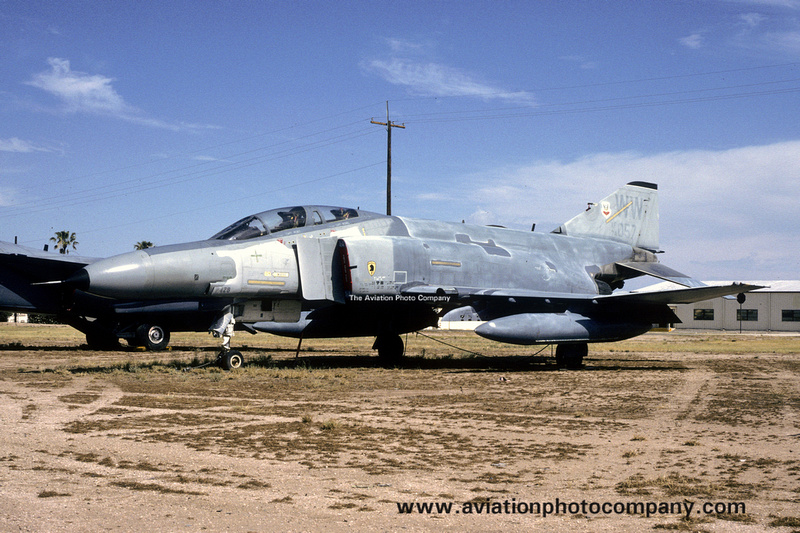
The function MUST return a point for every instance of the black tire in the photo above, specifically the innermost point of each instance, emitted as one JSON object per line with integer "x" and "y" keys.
{"x": 231, "y": 359}
{"x": 570, "y": 356}
{"x": 390, "y": 348}
{"x": 153, "y": 337}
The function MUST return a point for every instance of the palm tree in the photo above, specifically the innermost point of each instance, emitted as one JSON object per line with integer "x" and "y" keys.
{"x": 63, "y": 240}
{"x": 141, "y": 245}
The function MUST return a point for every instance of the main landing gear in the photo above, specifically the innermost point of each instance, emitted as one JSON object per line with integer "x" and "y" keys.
{"x": 152, "y": 337}
{"x": 570, "y": 356}
{"x": 105, "y": 335}
{"x": 390, "y": 348}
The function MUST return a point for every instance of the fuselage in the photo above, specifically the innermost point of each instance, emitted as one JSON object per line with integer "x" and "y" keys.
{"x": 384, "y": 256}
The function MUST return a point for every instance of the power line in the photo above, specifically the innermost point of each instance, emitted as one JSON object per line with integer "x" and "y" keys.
{"x": 619, "y": 98}
{"x": 605, "y": 84}
{"x": 484, "y": 114}
{"x": 119, "y": 189}
{"x": 538, "y": 111}
{"x": 213, "y": 147}
{"x": 216, "y": 204}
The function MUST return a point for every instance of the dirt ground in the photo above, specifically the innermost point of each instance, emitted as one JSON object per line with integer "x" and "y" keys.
{"x": 650, "y": 432}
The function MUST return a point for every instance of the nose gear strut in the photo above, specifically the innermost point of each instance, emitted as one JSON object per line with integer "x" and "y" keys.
{"x": 223, "y": 327}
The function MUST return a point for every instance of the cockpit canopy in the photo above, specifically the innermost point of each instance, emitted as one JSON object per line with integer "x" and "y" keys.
{"x": 282, "y": 219}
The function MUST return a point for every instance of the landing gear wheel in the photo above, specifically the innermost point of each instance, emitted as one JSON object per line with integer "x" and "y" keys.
{"x": 230, "y": 359}
{"x": 570, "y": 356}
{"x": 154, "y": 338}
{"x": 390, "y": 348}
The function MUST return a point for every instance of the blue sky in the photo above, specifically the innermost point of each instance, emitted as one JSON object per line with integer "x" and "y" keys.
{"x": 166, "y": 121}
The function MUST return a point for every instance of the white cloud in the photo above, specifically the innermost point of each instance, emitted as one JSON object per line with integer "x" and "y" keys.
{"x": 80, "y": 92}
{"x": 723, "y": 213}
{"x": 20, "y": 146}
{"x": 210, "y": 159}
{"x": 8, "y": 195}
{"x": 752, "y": 19}
{"x": 584, "y": 63}
{"x": 403, "y": 46}
{"x": 789, "y": 4}
{"x": 432, "y": 197}
{"x": 773, "y": 28}
{"x": 786, "y": 41}
{"x": 408, "y": 65}
{"x": 434, "y": 79}
{"x": 482, "y": 217}
{"x": 4, "y": 201}
{"x": 693, "y": 41}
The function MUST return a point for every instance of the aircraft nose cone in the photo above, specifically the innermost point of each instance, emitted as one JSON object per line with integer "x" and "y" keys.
{"x": 123, "y": 276}
{"x": 79, "y": 280}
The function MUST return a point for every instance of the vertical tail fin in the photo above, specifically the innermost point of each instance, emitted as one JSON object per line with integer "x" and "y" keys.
{"x": 628, "y": 215}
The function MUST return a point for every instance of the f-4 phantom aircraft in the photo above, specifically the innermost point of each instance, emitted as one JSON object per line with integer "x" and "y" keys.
{"x": 321, "y": 271}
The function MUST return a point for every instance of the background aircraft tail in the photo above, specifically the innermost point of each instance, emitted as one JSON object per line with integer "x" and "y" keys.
{"x": 628, "y": 215}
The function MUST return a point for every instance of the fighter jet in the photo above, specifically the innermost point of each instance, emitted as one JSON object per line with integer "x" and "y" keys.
{"x": 324, "y": 271}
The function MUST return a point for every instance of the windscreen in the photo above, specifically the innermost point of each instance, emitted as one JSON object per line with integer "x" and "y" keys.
{"x": 282, "y": 219}
{"x": 264, "y": 223}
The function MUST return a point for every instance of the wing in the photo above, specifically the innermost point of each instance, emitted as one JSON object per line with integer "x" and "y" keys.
{"x": 541, "y": 301}
{"x": 25, "y": 274}
{"x": 534, "y": 317}
{"x": 38, "y": 266}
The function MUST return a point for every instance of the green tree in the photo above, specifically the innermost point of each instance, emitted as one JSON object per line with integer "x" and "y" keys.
{"x": 63, "y": 240}
{"x": 141, "y": 245}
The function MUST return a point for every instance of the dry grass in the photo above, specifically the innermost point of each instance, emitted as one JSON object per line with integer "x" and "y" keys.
{"x": 427, "y": 345}
{"x": 676, "y": 416}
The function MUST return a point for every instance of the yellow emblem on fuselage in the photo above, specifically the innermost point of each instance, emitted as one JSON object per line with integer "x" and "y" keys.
{"x": 371, "y": 268}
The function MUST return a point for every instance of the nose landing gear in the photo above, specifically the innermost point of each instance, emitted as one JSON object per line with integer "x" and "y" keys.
{"x": 230, "y": 359}
{"x": 223, "y": 327}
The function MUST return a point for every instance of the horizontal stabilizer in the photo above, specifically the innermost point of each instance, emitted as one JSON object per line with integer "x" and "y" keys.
{"x": 657, "y": 270}
{"x": 684, "y": 296}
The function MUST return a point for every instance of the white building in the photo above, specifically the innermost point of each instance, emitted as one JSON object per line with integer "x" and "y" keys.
{"x": 19, "y": 318}
{"x": 774, "y": 308}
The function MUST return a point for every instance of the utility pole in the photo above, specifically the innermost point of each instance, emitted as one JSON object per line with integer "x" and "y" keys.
{"x": 389, "y": 125}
